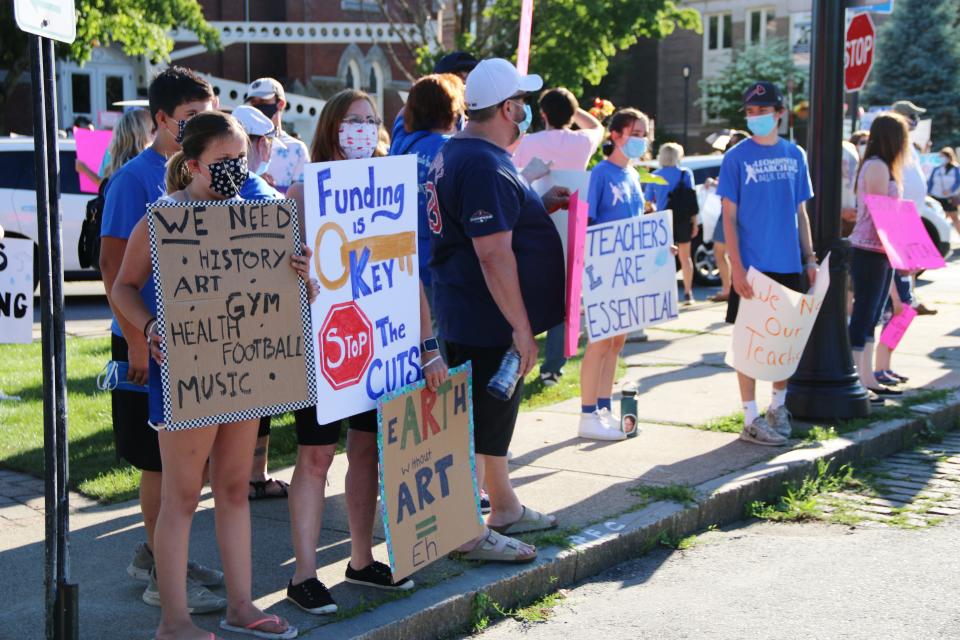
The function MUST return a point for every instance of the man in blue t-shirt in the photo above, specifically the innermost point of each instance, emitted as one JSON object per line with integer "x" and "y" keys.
{"x": 764, "y": 183}
{"x": 176, "y": 95}
{"x": 498, "y": 279}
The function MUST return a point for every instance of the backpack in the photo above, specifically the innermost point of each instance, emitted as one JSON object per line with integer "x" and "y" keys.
{"x": 88, "y": 246}
{"x": 683, "y": 200}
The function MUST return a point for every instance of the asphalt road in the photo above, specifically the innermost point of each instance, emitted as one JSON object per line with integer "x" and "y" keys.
{"x": 760, "y": 580}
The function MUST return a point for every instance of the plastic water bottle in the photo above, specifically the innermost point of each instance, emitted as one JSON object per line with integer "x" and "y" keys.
{"x": 504, "y": 381}
{"x": 628, "y": 410}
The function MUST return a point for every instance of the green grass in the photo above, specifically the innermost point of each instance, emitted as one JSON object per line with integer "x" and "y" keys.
{"x": 536, "y": 395}
{"x": 679, "y": 493}
{"x": 800, "y": 501}
{"x": 732, "y": 423}
{"x": 819, "y": 434}
{"x": 94, "y": 468}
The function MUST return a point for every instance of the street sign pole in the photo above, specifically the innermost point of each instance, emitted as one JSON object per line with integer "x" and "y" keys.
{"x": 826, "y": 385}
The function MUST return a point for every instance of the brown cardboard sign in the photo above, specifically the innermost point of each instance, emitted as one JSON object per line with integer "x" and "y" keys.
{"x": 232, "y": 311}
{"x": 428, "y": 486}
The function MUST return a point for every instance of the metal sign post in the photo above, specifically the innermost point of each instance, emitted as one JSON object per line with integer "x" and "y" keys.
{"x": 46, "y": 20}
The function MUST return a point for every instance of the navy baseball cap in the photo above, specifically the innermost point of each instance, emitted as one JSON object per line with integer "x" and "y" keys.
{"x": 456, "y": 62}
{"x": 763, "y": 94}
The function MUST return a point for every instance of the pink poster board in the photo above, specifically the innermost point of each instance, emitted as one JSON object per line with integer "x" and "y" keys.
{"x": 91, "y": 147}
{"x": 903, "y": 235}
{"x": 897, "y": 326}
{"x": 523, "y": 46}
{"x": 576, "y": 236}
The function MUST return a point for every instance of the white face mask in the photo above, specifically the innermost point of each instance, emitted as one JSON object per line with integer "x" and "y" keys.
{"x": 359, "y": 140}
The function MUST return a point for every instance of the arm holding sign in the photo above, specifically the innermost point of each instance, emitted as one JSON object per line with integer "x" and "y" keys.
{"x": 132, "y": 275}
{"x": 806, "y": 244}
{"x": 434, "y": 368}
{"x": 738, "y": 274}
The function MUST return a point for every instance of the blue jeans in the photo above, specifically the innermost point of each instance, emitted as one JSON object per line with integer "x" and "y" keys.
{"x": 871, "y": 286}
{"x": 553, "y": 359}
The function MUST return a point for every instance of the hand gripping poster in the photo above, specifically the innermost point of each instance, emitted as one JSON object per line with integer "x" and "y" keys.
{"x": 361, "y": 222}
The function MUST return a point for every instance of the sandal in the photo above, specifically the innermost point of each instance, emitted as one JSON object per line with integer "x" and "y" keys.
{"x": 496, "y": 548}
{"x": 251, "y": 629}
{"x": 528, "y": 522}
{"x": 260, "y": 491}
{"x": 720, "y": 297}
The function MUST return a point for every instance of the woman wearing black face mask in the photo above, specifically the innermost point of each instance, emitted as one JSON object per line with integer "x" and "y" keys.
{"x": 211, "y": 166}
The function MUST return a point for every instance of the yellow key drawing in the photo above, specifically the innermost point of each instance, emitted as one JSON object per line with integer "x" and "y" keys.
{"x": 402, "y": 246}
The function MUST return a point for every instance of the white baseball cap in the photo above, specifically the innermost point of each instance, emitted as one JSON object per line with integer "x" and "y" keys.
{"x": 494, "y": 80}
{"x": 254, "y": 122}
{"x": 264, "y": 88}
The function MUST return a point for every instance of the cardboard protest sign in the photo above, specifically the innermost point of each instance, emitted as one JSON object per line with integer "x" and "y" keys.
{"x": 91, "y": 147}
{"x": 233, "y": 312}
{"x": 572, "y": 180}
{"x": 16, "y": 291}
{"x": 577, "y": 233}
{"x": 428, "y": 480}
{"x": 893, "y": 332}
{"x": 630, "y": 279}
{"x": 361, "y": 220}
{"x": 774, "y": 325}
{"x": 902, "y": 233}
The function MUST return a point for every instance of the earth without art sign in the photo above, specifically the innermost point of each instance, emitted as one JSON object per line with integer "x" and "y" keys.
{"x": 232, "y": 311}
{"x": 427, "y": 471}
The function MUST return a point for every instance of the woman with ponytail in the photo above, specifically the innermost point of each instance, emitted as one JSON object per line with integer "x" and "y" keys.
{"x": 212, "y": 165}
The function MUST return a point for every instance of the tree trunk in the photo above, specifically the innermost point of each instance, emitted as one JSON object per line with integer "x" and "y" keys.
{"x": 9, "y": 86}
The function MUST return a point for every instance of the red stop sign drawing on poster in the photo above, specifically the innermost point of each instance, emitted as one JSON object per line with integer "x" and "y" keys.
{"x": 346, "y": 345}
{"x": 858, "y": 52}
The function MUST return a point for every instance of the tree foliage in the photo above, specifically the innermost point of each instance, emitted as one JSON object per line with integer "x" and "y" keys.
{"x": 139, "y": 27}
{"x": 918, "y": 59}
{"x": 773, "y": 62}
{"x": 572, "y": 40}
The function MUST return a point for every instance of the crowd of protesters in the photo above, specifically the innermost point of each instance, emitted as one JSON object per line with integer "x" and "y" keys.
{"x": 492, "y": 279}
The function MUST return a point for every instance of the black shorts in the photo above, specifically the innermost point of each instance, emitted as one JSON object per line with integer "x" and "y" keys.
{"x": 136, "y": 441}
{"x": 493, "y": 420}
{"x": 795, "y": 281}
{"x": 682, "y": 229}
{"x": 947, "y": 204}
{"x": 312, "y": 434}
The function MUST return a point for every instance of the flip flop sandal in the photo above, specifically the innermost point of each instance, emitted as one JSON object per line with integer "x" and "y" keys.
{"x": 260, "y": 491}
{"x": 496, "y": 548}
{"x": 528, "y": 522}
{"x": 251, "y": 629}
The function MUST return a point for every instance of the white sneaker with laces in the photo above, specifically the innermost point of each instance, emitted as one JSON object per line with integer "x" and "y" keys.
{"x": 779, "y": 421}
{"x": 609, "y": 419}
{"x": 759, "y": 432}
{"x": 594, "y": 427}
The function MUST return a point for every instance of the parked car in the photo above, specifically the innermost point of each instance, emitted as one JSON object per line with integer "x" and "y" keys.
{"x": 18, "y": 200}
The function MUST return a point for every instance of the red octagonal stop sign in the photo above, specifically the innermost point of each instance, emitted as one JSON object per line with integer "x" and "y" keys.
{"x": 346, "y": 345}
{"x": 858, "y": 52}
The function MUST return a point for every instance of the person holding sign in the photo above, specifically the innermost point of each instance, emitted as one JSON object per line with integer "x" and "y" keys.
{"x": 615, "y": 193}
{"x": 349, "y": 128}
{"x": 888, "y": 148}
{"x": 176, "y": 95}
{"x": 211, "y": 166}
{"x": 498, "y": 280}
{"x": 764, "y": 183}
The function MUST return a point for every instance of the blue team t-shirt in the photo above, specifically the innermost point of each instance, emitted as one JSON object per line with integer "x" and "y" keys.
{"x": 473, "y": 190}
{"x": 134, "y": 186}
{"x": 256, "y": 188}
{"x": 614, "y": 193}
{"x": 425, "y": 144}
{"x": 767, "y": 183}
{"x": 660, "y": 193}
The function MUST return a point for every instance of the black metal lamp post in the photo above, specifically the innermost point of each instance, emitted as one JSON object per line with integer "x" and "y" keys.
{"x": 826, "y": 385}
{"x": 687, "y": 69}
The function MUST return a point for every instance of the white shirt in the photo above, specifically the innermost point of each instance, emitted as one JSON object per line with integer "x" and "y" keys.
{"x": 914, "y": 182}
{"x": 287, "y": 161}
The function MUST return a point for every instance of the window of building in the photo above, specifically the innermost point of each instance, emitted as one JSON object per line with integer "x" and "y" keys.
{"x": 760, "y": 23}
{"x": 80, "y": 94}
{"x": 353, "y": 76}
{"x": 719, "y": 31}
{"x": 113, "y": 87}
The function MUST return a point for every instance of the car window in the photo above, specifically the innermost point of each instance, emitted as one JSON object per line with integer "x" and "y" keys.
{"x": 701, "y": 174}
{"x": 11, "y": 167}
{"x": 69, "y": 180}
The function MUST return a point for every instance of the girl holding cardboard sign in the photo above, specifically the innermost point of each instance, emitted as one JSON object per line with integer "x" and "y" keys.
{"x": 211, "y": 166}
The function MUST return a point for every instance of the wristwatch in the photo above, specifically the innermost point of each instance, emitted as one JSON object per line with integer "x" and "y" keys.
{"x": 430, "y": 344}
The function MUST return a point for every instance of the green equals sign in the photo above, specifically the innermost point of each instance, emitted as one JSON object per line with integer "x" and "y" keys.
{"x": 426, "y": 527}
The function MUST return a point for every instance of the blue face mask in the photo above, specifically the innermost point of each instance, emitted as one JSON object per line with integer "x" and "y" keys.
{"x": 524, "y": 124}
{"x": 634, "y": 148}
{"x": 761, "y": 125}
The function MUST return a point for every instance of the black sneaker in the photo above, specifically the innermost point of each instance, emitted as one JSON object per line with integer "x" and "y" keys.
{"x": 377, "y": 575}
{"x": 311, "y": 596}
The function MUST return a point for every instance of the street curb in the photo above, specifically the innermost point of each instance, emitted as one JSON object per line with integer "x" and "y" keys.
{"x": 448, "y": 608}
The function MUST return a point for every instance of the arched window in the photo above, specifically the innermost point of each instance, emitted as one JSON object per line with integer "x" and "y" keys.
{"x": 375, "y": 85}
{"x": 352, "y": 78}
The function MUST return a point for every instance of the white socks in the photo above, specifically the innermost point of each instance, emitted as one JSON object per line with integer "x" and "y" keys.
{"x": 750, "y": 412}
{"x": 778, "y": 399}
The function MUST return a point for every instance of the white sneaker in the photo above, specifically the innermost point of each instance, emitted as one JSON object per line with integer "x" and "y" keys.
{"x": 609, "y": 419}
{"x": 779, "y": 421}
{"x": 759, "y": 432}
{"x": 593, "y": 427}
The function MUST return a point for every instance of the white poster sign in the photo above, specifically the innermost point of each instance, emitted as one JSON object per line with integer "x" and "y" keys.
{"x": 773, "y": 326}
{"x": 630, "y": 276}
{"x": 16, "y": 290}
{"x": 361, "y": 222}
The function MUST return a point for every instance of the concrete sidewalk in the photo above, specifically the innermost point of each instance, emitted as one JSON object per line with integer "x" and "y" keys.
{"x": 682, "y": 384}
